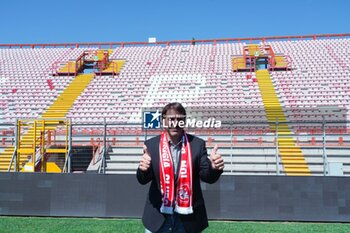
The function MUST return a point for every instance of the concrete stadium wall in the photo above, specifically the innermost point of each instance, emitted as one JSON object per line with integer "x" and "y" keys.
{"x": 277, "y": 198}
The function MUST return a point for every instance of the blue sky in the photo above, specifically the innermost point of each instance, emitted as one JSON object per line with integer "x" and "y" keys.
{"x": 44, "y": 21}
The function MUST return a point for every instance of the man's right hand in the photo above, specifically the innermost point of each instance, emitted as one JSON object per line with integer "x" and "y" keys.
{"x": 145, "y": 162}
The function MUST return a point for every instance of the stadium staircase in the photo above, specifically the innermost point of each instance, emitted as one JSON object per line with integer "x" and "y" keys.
{"x": 291, "y": 155}
{"x": 58, "y": 109}
{"x": 65, "y": 101}
{"x": 5, "y": 158}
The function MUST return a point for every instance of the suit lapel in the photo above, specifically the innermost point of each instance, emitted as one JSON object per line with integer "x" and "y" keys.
{"x": 155, "y": 161}
{"x": 193, "y": 151}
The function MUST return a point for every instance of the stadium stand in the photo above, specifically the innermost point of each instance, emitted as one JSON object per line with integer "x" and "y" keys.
{"x": 253, "y": 85}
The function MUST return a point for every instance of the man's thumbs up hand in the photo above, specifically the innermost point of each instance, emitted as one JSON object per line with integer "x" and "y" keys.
{"x": 217, "y": 161}
{"x": 145, "y": 161}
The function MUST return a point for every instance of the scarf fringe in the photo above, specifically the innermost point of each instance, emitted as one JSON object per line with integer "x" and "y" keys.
{"x": 184, "y": 210}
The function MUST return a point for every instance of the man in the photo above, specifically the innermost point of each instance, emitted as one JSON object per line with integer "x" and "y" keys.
{"x": 175, "y": 162}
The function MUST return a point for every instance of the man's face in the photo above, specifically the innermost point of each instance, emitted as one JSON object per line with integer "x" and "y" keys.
{"x": 174, "y": 122}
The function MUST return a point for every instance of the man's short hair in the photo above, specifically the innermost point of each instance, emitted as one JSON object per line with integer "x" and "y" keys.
{"x": 175, "y": 106}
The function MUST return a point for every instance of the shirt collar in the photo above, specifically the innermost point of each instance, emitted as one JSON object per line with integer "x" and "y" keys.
{"x": 171, "y": 143}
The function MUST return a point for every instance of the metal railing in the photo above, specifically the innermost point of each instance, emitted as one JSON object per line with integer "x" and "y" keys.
{"x": 311, "y": 134}
{"x": 66, "y": 166}
{"x": 177, "y": 42}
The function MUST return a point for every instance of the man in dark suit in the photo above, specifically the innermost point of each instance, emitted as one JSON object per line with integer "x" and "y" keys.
{"x": 175, "y": 162}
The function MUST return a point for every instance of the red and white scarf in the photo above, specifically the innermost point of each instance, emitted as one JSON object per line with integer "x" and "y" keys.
{"x": 182, "y": 198}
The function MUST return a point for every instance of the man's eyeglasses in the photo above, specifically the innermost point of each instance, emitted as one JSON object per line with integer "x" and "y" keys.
{"x": 175, "y": 118}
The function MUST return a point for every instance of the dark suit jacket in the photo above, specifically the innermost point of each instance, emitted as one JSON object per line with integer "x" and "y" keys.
{"x": 201, "y": 167}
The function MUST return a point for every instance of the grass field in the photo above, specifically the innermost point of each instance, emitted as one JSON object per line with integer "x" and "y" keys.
{"x": 68, "y": 225}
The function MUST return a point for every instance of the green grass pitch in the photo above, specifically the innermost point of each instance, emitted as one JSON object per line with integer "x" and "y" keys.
{"x": 83, "y": 225}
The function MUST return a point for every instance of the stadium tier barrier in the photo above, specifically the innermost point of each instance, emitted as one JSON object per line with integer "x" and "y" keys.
{"x": 249, "y": 198}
